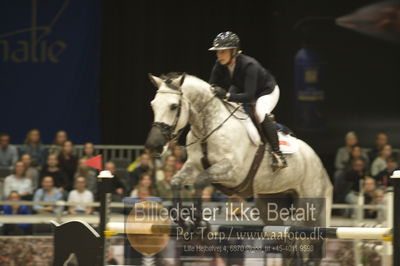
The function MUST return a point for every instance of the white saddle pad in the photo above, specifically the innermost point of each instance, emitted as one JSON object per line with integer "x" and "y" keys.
{"x": 288, "y": 144}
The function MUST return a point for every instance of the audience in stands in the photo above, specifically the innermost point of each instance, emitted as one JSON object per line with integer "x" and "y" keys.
{"x": 30, "y": 172}
{"x": 16, "y": 209}
{"x": 17, "y": 181}
{"x": 8, "y": 152}
{"x": 88, "y": 151}
{"x": 144, "y": 181}
{"x": 149, "y": 179}
{"x": 80, "y": 195}
{"x": 89, "y": 173}
{"x": 51, "y": 168}
{"x": 48, "y": 193}
{"x": 118, "y": 187}
{"x": 379, "y": 164}
{"x": 68, "y": 162}
{"x": 33, "y": 147}
{"x": 58, "y": 143}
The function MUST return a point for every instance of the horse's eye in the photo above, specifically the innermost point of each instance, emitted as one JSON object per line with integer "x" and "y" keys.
{"x": 173, "y": 107}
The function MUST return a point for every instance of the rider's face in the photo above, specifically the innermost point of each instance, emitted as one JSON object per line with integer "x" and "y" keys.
{"x": 224, "y": 56}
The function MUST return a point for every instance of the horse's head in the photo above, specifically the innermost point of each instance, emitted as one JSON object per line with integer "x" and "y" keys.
{"x": 171, "y": 111}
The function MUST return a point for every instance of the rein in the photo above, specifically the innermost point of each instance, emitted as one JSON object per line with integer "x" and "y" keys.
{"x": 167, "y": 130}
{"x": 203, "y": 140}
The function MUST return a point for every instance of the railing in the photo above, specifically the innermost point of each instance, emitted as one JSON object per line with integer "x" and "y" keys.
{"x": 109, "y": 152}
{"x": 118, "y": 217}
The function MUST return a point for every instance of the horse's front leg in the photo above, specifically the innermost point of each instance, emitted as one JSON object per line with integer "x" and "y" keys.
{"x": 188, "y": 172}
{"x": 218, "y": 172}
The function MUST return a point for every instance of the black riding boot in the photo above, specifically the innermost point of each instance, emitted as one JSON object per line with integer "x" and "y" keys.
{"x": 269, "y": 130}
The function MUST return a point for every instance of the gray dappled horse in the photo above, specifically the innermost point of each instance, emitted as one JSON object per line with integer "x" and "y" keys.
{"x": 184, "y": 99}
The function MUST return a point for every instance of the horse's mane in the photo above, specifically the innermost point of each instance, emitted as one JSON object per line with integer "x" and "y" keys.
{"x": 174, "y": 75}
{"x": 171, "y": 75}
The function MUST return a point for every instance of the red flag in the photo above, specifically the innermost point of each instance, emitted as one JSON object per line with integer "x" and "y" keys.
{"x": 96, "y": 162}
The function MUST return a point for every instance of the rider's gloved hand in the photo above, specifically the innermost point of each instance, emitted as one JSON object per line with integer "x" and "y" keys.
{"x": 220, "y": 92}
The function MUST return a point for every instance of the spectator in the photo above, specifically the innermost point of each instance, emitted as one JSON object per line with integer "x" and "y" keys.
{"x": 170, "y": 161}
{"x": 377, "y": 199}
{"x": 61, "y": 180}
{"x": 154, "y": 163}
{"x": 118, "y": 188}
{"x": 381, "y": 140}
{"x": 80, "y": 194}
{"x": 88, "y": 151}
{"x": 343, "y": 154}
{"x": 33, "y": 147}
{"x": 67, "y": 161}
{"x": 383, "y": 178}
{"x": 143, "y": 193}
{"x": 144, "y": 166}
{"x": 357, "y": 153}
{"x": 163, "y": 187}
{"x": 369, "y": 188}
{"x": 18, "y": 182}
{"x": 31, "y": 172}
{"x": 47, "y": 193}
{"x": 13, "y": 209}
{"x": 58, "y": 143}
{"x": 353, "y": 177}
{"x": 8, "y": 153}
{"x": 179, "y": 153}
{"x": 145, "y": 181}
{"x": 90, "y": 175}
{"x": 379, "y": 164}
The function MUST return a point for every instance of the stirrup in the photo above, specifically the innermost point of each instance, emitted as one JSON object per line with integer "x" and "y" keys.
{"x": 278, "y": 160}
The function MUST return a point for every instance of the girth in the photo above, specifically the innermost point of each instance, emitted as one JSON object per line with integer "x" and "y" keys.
{"x": 245, "y": 188}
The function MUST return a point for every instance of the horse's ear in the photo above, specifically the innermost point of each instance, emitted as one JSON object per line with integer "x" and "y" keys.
{"x": 155, "y": 80}
{"x": 182, "y": 79}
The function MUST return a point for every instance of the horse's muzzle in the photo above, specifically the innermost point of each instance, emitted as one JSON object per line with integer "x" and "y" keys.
{"x": 155, "y": 141}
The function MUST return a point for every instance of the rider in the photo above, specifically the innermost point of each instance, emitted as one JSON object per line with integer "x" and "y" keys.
{"x": 247, "y": 82}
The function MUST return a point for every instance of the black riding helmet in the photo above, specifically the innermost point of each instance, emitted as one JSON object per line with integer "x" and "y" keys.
{"x": 226, "y": 40}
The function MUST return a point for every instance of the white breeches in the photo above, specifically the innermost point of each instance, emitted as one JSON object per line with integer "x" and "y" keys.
{"x": 265, "y": 104}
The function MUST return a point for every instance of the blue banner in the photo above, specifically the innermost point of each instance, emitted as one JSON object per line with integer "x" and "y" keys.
{"x": 49, "y": 68}
{"x": 308, "y": 91}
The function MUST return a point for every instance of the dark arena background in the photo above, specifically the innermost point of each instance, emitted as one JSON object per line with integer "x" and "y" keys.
{"x": 81, "y": 67}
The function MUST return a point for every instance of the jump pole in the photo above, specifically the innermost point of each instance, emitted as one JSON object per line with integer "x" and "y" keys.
{"x": 267, "y": 231}
{"x": 396, "y": 217}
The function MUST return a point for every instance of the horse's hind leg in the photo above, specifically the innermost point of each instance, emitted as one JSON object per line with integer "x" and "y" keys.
{"x": 269, "y": 206}
{"x": 322, "y": 200}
